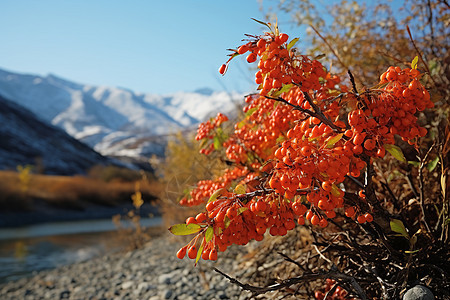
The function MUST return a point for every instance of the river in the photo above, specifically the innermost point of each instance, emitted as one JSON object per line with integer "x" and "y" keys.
{"x": 28, "y": 249}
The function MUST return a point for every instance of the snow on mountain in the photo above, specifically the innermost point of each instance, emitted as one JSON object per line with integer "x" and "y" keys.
{"x": 27, "y": 140}
{"x": 114, "y": 121}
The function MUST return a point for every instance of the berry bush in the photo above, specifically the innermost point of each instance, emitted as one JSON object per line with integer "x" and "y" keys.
{"x": 312, "y": 149}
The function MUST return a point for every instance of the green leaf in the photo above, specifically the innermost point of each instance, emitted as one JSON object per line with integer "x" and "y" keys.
{"x": 286, "y": 88}
{"x": 251, "y": 111}
{"x": 292, "y": 43}
{"x": 414, "y": 163}
{"x": 331, "y": 142}
{"x": 209, "y": 234}
{"x": 335, "y": 191}
{"x": 412, "y": 252}
{"x": 397, "y": 226}
{"x": 395, "y": 151}
{"x": 226, "y": 222}
{"x": 185, "y": 229}
{"x": 240, "y": 189}
{"x": 414, "y": 62}
{"x": 432, "y": 164}
{"x": 240, "y": 210}
{"x": 217, "y": 143}
{"x": 215, "y": 195}
{"x": 199, "y": 252}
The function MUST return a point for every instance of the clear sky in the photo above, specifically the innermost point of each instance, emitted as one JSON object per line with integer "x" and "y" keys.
{"x": 147, "y": 46}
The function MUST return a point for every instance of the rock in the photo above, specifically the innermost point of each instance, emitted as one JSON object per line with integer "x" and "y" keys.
{"x": 419, "y": 292}
{"x": 168, "y": 294}
{"x": 127, "y": 284}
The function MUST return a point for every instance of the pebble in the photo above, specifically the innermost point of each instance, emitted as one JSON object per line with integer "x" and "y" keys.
{"x": 152, "y": 272}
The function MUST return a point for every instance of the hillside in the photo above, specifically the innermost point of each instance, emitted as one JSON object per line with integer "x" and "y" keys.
{"x": 25, "y": 139}
{"x": 114, "y": 121}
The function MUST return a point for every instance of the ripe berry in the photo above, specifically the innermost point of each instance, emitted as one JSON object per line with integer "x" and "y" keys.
{"x": 350, "y": 212}
{"x": 182, "y": 252}
{"x": 223, "y": 69}
{"x": 361, "y": 219}
{"x": 213, "y": 255}
{"x": 251, "y": 58}
{"x": 192, "y": 252}
{"x": 369, "y": 217}
{"x": 242, "y": 49}
{"x": 191, "y": 220}
{"x": 315, "y": 220}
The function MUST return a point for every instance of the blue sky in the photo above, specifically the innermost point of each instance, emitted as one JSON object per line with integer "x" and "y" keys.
{"x": 149, "y": 46}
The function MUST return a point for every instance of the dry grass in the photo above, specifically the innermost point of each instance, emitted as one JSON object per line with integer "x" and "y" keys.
{"x": 73, "y": 192}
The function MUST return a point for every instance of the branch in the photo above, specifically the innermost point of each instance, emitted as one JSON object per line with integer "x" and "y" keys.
{"x": 420, "y": 55}
{"x": 317, "y": 113}
{"x": 291, "y": 281}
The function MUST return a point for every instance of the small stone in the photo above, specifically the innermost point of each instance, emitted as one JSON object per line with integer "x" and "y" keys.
{"x": 64, "y": 295}
{"x": 127, "y": 284}
{"x": 419, "y": 292}
{"x": 168, "y": 294}
{"x": 165, "y": 278}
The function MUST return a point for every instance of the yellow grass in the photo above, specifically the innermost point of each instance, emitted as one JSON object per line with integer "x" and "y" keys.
{"x": 17, "y": 193}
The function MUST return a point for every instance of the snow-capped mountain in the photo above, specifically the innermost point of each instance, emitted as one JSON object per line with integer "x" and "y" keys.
{"x": 114, "y": 121}
{"x": 24, "y": 139}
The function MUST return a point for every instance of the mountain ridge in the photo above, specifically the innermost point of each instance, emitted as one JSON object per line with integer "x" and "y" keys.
{"x": 113, "y": 121}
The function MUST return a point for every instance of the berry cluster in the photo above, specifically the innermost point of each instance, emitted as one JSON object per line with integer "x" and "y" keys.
{"x": 206, "y": 131}
{"x": 301, "y": 136}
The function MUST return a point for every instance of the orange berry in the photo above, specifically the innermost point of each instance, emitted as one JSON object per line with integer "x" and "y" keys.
{"x": 213, "y": 255}
{"x": 200, "y": 217}
{"x": 283, "y": 38}
{"x": 260, "y": 206}
{"x": 191, "y": 220}
{"x": 361, "y": 219}
{"x": 315, "y": 220}
{"x": 369, "y": 144}
{"x": 261, "y": 43}
{"x": 223, "y": 69}
{"x": 369, "y": 217}
{"x": 323, "y": 223}
{"x": 182, "y": 252}
{"x": 192, "y": 252}
{"x": 242, "y": 49}
{"x": 327, "y": 186}
{"x": 251, "y": 58}
{"x": 301, "y": 220}
{"x": 350, "y": 212}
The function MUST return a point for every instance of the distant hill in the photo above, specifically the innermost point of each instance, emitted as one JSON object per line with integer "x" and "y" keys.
{"x": 114, "y": 121}
{"x": 25, "y": 139}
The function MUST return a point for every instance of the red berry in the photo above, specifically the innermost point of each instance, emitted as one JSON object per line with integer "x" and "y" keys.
{"x": 223, "y": 69}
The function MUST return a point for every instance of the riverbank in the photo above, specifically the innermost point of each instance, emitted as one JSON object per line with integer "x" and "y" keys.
{"x": 152, "y": 272}
{"x": 45, "y": 213}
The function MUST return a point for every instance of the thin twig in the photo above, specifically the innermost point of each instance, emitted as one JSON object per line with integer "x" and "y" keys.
{"x": 420, "y": 55}
{"x": 421, "y": 187}
{"x": 331, "y": 48}
{"x": 291, "y": 281}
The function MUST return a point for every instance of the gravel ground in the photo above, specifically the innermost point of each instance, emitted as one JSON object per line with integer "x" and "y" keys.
{"x": 152, "y": 272}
